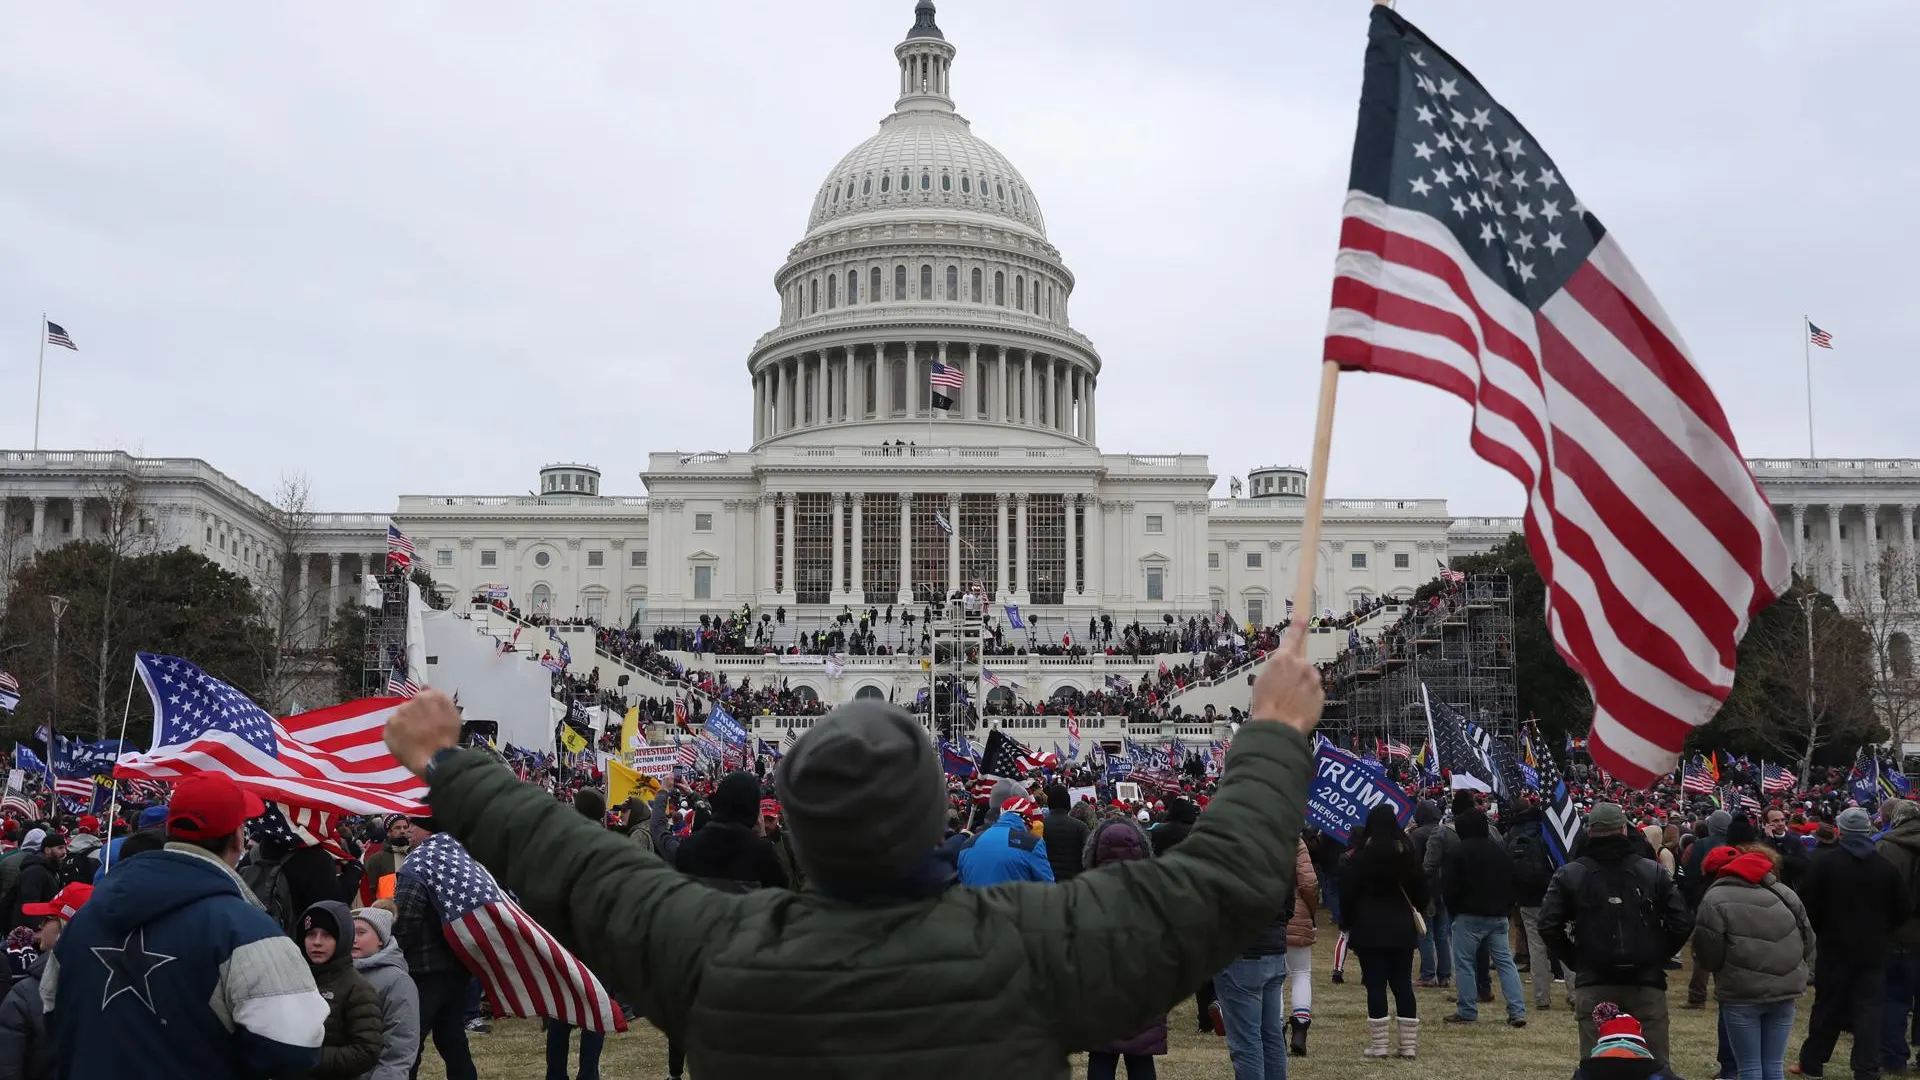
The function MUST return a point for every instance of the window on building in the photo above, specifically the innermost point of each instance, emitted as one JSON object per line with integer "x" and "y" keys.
{"x": 886, "y": 183}
{"x": 813, "y": 303}
{"x": 209, "y": 534}
{"x": 866, "y": 185}
{"x": 1254, "y": 560}
{"x": 703, "y": 523}
{"x": 489, "y": 557}
{"x": 443, "y": 557}
{"x": 1213, "y": 560}
{"x": 973, "y": 293}
{"x": 873, "y": 286}
{"x": 1843, "y": 532}
{"x": 1019, "y": 292}
{"x": 1155, "y": 523}
{"x": 1035, "y": 305}
{"x": 812, "y": 547}
{"x": 833, "y": 291}
{"x": 853, "y": 287}
{"x": 596, "y": 558}
{"x": 1256, "y": 611}
{"x": 1156, "y": 583}
{"x": 966, "y": 184}
{"x": 595, "y": 605}
{"x": 900, "y": 282}
{"x": 953, "y": 283}
{"x": 1402, "y": 561}
{"x": 1049, "y": 301}
{"x": 637, "y": 559}
{"x": 946, "y": 181}
{"x": 1000, "y": 287}
{"x": 926, "y": 282}
{"x": 542, "y": 558}
{"x": 1359, "y": 560}
{"x": 703, "y": 583}
{"x": 926, "y": 181}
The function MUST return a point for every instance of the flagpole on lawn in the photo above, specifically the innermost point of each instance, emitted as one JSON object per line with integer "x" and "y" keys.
{"x": 39, "y": 380}
{"x": 113, "y": 795}
{"x": 1316, "y": 497}
{"x": 1807, "y": 356}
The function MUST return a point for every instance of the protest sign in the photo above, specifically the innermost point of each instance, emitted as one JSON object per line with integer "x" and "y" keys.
{"x": 1345, "y": 789}
{"x": 654, "y": 760}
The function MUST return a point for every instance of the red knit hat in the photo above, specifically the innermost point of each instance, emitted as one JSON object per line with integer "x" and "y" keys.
{"x": 1025, "y": 806}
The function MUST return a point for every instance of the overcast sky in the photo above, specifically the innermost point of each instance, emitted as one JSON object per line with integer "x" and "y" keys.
{"x": 427, "y": 248}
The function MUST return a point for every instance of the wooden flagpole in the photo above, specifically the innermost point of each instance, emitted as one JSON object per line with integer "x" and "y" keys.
{"x": 1316, "y": 496}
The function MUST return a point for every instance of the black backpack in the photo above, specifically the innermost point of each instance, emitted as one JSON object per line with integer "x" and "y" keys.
{"x": 1617, "y": 924}
{"x": 268, "y": 882}
{"x": 1532, "y": 866}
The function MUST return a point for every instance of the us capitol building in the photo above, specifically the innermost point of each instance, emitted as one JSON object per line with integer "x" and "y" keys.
{"x": 924, "y": 270}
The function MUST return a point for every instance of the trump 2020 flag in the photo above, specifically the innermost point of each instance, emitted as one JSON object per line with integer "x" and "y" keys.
{"x": 1466, "y": 262}
{"x": 525, "y": 971}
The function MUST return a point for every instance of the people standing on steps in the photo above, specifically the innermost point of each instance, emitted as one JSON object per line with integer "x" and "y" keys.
{"x": 1382, "y": 888}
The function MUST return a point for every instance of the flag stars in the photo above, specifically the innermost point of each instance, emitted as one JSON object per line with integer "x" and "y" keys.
{"x": 1425, "y": 115}
{"x": 1441, "y": 177}
{"x": 1461, "y": 170}
{"x": 1524, "y": 242}
{"x": 1418, "y": 59}
{"x": 1481, "y": 120}
{"x": 1459, "y": 206}
{"x": 1550, "y": 209}
{"x": 1522, "y": 213}
{"x": 1443, "y": 141}
{"x": 1449, "y": 88}
{"x": 1526, "y": 272}
{"x": 1422, "y": 151}
{"x": 1486, "y": 233}
{"x": 1548, "y": 179}
{"x": 1424, "y": 83}
{"x": 1554, "y": 244}
{"x": 1514, "y": 151}
{"x": 1420, "y": 185}
{"x": 1456, "y": 119}
{"x": 1473, "y": 198}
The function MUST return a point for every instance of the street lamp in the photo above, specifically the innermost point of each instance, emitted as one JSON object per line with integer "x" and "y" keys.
{"x": 59, "y": 605}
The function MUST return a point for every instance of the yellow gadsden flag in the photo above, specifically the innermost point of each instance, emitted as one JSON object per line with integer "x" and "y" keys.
{"x": 571, "y": 739}
{"x": 624, "y": 783}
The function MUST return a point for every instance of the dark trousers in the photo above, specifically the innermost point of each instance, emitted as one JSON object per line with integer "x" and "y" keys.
{"x": 1202, "y": 999}
{"x": 1847, "y": 992}
{"x": 559, "y": 1034}
{"x": 1104, "y": 1066}
{"x": 1382, "y": 970}
{"x": 443, "y": 1015}
{"x": 676, "y": 1058}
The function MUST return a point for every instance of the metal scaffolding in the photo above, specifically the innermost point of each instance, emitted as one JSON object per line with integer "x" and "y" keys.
{"x": 1460, "y": 647}
{"x": 386, "y": 644}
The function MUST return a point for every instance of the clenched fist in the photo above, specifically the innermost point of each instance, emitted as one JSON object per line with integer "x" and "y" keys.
{"x": 1288, "y": 690}
{"x": 422, "y": 728}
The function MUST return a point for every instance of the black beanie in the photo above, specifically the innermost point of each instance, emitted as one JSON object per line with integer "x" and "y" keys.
{"x": 591, "y": 803}
{"x": 864, "y": 795}
{"x": 1740, "y": 831}
{"x": 737, "y": 799}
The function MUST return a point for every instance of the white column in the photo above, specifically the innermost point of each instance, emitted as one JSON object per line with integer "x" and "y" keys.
{"x": 906, "y": 548}
{"x": 1073, "y": 578}
{"x": 1027, "y": 415}
{"x": 1020, "y": 540}
{"x": 1092, "y": 434}
{"x": 974, "y": 381}
{"x": 1001, "y": 584}
{"x": 759, "y": 404}
{"x": 836, "y": 593}
{"x": 39, "y": 520}
{"x": 1833, "y": 549}
{"x": 916, "y": 382}
{"x": 819, "y": 388}
{"x": 1870, "y": 552}
{"x": 883, "y": 387}
{"x": 1056, "y": 392}
{"x": 333, "y": 585}
{"x": 302, "y": 593}
{"x": 1096, "y": 548}
{"x": 789, "y": 586}
{"x": 780, "y": 395}
{"x": 859, "y": 588}
{"x": 953, "y": 543}
{"x": 1907, "y": 567}
{"x": 959, "y": 395}
{"x": 769, "y": 506}
{"x": 1799, "y": 539}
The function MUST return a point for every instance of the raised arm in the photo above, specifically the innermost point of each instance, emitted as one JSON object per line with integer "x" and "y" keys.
{"x": 1117, "y": 947}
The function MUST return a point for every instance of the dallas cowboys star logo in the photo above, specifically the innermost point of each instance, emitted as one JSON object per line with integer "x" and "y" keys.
{"x": 130, "y": 969}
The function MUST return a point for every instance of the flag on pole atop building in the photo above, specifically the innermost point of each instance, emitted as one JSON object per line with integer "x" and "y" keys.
{"x": 330, "y": 759}
{"x": 1466, "y": 262}
{"x": 9, "y": 692}
{"x": 57, "y": 335}
{"x": 400, "y": 551}
{"x": 1819, "y": 338}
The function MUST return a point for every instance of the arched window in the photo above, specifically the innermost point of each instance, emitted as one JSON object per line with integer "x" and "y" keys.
{"x": 976, "y": 292}
{"x": 926, "y": 180}
{"x": 866, "y": 185}
{"x": 946, "y": 181}
{"x": 1000, "y": 288}
{"x": 953, "y": 283}
{"x": 853, "y": 287}
{"x": 814, "y": 304}
{"x": 1019, "y": 293}
{"x": 873, "y": 286}
{"x": 886, "y": 181}
{"x": 849, "y": 189}
{"x": 926, "y": 282}
{"x": 966, "y": 184}
{"x": 542, "y": 599}
{"x": 1049, "y": 301}
{"x": 906, "y": 180}
{"x": 836, "y": 194}
{"x": 833, "y": 291}
{"x": 999, "y": 192}
{"x": 1036, "y": 297}
{"x": 900, "y": 282}
{"x": 871, "y": 692}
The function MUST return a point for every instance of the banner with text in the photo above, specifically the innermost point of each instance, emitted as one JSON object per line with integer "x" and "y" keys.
{"x": 1345, "y": 789}
{"x": 654, "y": 760}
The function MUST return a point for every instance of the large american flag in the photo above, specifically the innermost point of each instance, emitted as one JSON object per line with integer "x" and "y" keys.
{"x": 943, "y": 375}
{"x": 1467, "y": 263}
{"x": 525, "y": 971}
{"x": 331, "y": 759}
{"x": 400, "y": 551}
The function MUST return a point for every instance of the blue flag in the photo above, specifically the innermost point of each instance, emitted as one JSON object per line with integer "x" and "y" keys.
{"x": 1013, "y": 617}
{"x": 28, "y": 761}
{"x": 722, "y": 726}
{"x": 1346, "y": 788}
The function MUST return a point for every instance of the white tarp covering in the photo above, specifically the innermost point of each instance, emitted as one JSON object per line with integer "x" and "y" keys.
{"x": 511, "y": 690}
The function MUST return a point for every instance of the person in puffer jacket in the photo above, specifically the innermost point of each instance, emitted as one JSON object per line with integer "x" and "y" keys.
{"x": 1300, "y": 938}
{"x": 355, "y": 1026}
{"x": 1007, "y": 850}
{"x": 1117, "y": 840}
{"x": 1752, "y": 934}
{"x": 25, "y": 1051}
{"x": 376, "y": 956}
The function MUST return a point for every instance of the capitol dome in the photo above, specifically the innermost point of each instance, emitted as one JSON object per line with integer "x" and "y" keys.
{"x": 924, "y": 301}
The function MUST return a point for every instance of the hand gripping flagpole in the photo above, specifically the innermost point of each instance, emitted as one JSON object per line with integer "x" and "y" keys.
{"x": 1316, "y": 498}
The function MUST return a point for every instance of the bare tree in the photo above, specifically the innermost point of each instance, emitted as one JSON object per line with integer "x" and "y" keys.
{"x": 292, "y": 608}
{"x": 127, "y": 529}
{"x": 1803, "y": 679}
{"x": 1885, "y": 601}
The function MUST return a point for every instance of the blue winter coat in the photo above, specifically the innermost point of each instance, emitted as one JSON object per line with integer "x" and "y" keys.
{"x": 1005, "y": 851}
{"x": 170, "y": 970}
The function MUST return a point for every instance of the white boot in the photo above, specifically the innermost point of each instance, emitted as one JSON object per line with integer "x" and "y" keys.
{"x": 1409, "y": 1036}
{"x": 1376, "y": 1038}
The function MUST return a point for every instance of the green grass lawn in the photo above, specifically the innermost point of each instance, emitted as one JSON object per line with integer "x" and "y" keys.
{"x": 1547, "y": 1047}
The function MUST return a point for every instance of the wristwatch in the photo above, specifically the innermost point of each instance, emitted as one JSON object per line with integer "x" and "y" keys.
{"x": 440, "y": 757}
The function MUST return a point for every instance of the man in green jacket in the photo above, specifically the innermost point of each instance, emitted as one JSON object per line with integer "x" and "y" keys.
{"x": 884, "y": 968}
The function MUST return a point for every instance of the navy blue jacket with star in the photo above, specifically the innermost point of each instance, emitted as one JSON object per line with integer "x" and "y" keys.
{"x": 172, "y": 970}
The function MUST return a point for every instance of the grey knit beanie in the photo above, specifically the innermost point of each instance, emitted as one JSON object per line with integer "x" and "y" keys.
{"x": 864, "y": 795}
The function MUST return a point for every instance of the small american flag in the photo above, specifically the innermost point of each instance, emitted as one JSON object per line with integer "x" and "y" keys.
{"x": 398, "y": 685}
{"x": 1777, "y": 779}
{"x": 335, "y": 759}
{"x": 1392, "y": 749}
{"x": 1699, "y": 778}
{"x": 1449, "y": 574}
{"x": 80, "y": 787}
{"x": 951, "y": 378}
{"x": 1820, "y": 338}
{"x": 1467, "y": 263}
{"x": 9, "y": 692}
{"x": 525, "y": 971}
{"x": 989, "y": 677}
{"x": 400, "y": 551}
{"x": 786, "y": 744}
{"x": 686, "y": 754}
{"x": 57, "y": 335}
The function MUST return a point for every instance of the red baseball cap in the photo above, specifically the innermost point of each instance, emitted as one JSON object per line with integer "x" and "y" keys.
{"x": 63, "y": 905}
{"x": 209, "y": 805}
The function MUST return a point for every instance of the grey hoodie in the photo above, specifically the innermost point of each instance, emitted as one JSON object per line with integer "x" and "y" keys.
{"x": 386, "y": 970}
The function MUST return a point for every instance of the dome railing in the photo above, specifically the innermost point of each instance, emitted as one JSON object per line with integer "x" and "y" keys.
{"x": 915, "y": 313}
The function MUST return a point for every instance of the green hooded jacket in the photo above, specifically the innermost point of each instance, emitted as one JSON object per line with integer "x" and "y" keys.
{"x": 1004, "y": 981}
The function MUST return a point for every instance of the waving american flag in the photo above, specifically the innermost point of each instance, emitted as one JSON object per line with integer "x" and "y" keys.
{"x": 525, "y": 971}
{"x": 331, "y": 759}
{"x": 1467, "y": 262}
